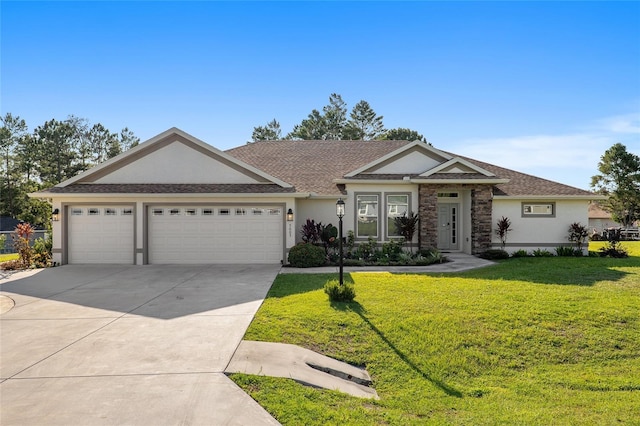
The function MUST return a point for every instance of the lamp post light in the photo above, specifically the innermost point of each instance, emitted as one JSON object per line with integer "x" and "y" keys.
{"x": 340, "y": 214}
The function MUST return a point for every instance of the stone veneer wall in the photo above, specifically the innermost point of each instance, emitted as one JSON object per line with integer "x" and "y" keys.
{"x": 481, "y": 209}
{"x": 428, "y": 213}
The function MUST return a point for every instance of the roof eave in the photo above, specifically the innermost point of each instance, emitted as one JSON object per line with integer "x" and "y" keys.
{"x": 372, "y": 181}
{"x": 51, "y": 195}
{"x": 550, "y": 197}
{"x": 488, "y": 181}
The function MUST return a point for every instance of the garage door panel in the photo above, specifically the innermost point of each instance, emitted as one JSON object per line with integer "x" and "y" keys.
{"x": 100, "y": 237}
{"x": 230, "y": 234}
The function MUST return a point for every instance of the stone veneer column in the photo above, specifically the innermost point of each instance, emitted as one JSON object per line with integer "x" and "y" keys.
{"x": 428, "y": 213}
{"x": 481, "y": 208}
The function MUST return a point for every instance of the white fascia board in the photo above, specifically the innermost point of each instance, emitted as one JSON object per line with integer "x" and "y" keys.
{"x": 327, "y": 197}
{"x": 400, "y": 150}
{"x": 372, "y": 181}
{"x": 173, "y": 195}
{"x": 456, "y": 181}
{"x": 457, "y": 160}
{"x": 550, "y": 197}
{"x": 166, "y": 133}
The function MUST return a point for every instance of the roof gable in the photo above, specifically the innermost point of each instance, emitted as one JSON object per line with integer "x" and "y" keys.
{"x": 457, "y": 165}
{"x": 174, "y": 157}
{"x": 411, "y": 159}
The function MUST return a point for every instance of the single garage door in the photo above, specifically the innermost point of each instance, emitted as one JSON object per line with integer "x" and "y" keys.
{"x": 227, "y": 234}
{"x": 100, "y": 234}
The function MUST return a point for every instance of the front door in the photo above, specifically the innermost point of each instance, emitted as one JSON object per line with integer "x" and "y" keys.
{"x": 448, "y": 226}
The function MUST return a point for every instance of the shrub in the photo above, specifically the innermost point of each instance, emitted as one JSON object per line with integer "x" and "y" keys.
{"x": 11, "y": 265}
{"x": 520, "y": 253}
{"x": 340, "y": 293}
{"x": 613, "y": 249}
{"x": 42, "y": 252}
{"x": 353, "y": 262}
{"x": 391, "y": 250}
{"x": 578, "y": 234}
{"x": 311, "y": 231}
{"x": 328, "y": 236}
{"x": 407, "y": 224}
{"x": 405, "y": 258}
{"x": 503, "y": 226}
{"x": 350, "y": 244}
{"x": 3, "y": 241}
{"x": 568, "y": 251}
{"x": 494, "y": 254}
{"x": 21, "y": 236}
{"x": 368, "y": 251}
{"x": 305, "y": 255}
{"x": 429, "y": 256}
{"x": 542, "y": 253}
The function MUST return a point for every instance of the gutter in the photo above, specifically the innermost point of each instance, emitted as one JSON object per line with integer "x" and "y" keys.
{"x": 50, "y": 195}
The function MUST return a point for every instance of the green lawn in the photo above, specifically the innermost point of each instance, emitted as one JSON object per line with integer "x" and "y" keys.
{"x": 632, "y": 247}
{"x": 7, "y": 257}
{"x": 528, "y": 341}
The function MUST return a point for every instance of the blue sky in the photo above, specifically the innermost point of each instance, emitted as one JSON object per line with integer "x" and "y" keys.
{"x": 542, "y": 87}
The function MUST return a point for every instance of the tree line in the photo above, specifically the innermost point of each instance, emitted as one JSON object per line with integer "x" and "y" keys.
{"x": 335, "y": 122}
{"x": 51, "y": 153}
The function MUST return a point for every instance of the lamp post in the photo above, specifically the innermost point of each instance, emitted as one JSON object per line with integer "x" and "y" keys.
{"x": 340, "y": 214}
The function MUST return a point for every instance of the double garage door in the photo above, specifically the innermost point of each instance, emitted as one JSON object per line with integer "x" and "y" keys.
{"x": 178, "y": 234}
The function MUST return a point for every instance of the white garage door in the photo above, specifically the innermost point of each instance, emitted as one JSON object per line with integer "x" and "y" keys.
{"x": 100, "y": 234}
{"x": 227, "y": 234}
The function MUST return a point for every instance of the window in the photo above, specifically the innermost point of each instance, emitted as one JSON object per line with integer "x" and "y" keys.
{"x": 157, "y": 212}
{"x": 397, "y": 206}
{"x": 127, "y": 211}
{"x": 447, "y": 195}
{"x": 538, "y": 209}
{"x": 367, "y": 220}
{"x": 190, "y": 212}
{"x": 76, "y": 211}
{"x": 93, "y": 211}
{"x": 109, "y": 212}
{"x": 275, "y": 212}
{"x": 224, "y": 212}
{"x": 207, "y": 212}
{"x": 174, "y": 212}
{"x": 241, "y": 212}
{"x": 257, "y": 212}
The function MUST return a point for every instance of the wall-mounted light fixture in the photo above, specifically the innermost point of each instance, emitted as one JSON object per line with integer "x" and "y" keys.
{"x": 55, "y": 215}
{"x": 289, "y": 219}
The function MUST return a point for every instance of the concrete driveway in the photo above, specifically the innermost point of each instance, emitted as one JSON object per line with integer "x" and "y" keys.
{"x": 135, "y": 345}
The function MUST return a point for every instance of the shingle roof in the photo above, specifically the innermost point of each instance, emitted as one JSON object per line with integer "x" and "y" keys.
{"x": 312, "y": 166}
{"x": 164, "y": 188}
{"x": 597, "y": 212}
{"x": 522, "y": 184}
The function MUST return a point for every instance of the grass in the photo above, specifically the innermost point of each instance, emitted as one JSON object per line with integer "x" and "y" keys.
{"x": 527, "y": 341}
{"x": 632, "y": 247}
{"x": 8, "y": 256}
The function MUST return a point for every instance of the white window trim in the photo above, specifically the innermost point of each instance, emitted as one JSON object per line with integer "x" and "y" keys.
{"x": 528, "y": 205}
{"x": 386, "y": 211}
{"x": 378, "y": 235}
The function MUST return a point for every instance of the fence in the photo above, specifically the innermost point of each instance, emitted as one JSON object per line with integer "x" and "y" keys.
{"x": 8, "y": 245}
